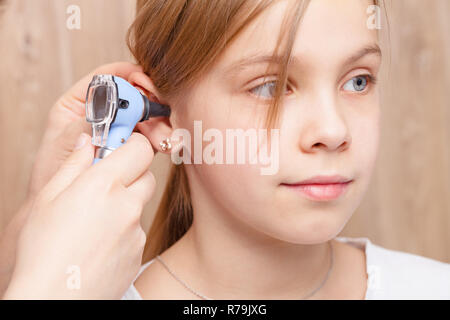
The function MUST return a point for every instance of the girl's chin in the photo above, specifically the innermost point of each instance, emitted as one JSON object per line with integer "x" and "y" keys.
{"x": 316, "y": 230}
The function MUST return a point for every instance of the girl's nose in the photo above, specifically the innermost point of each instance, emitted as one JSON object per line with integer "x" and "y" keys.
{"x": 326, "y": 129}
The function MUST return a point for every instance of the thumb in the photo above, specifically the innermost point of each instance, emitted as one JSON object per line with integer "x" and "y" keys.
{"x": 65, "y": 142}
{"x": 54, "y": 150}
{"x": 80, "y": 160}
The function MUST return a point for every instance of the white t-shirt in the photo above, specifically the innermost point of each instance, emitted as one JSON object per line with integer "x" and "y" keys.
{"x": 391, "y": 274}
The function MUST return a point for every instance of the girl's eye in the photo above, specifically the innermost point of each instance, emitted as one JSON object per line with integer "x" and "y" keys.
{"x": 358, "y": 83}
{"x": 266, "y": 90}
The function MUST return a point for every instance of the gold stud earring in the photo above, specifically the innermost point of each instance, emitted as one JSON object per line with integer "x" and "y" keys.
{"x": 165, "y": 144}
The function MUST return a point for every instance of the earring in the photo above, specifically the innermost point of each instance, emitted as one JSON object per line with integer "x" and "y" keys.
{"x": 165, "y": 144}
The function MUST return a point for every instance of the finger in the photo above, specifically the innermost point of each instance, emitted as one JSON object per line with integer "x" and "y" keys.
{"x": 129, "y": 161}
{"x": 71, "y": 106}
{"x": 78, "y": 162}
{"x": 144, "y": 186}
{"x": 64, "y": 144}
{"x": 52, "y": 154}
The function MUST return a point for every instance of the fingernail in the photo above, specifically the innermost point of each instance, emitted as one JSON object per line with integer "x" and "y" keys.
{"x": 80, "y": 142}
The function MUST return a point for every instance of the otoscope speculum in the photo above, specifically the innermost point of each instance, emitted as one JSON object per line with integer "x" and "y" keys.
{"x": 114, "y": 107}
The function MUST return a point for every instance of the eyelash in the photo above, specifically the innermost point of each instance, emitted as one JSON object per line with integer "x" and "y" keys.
{"x": 262, "y": 85}
{"x": 371, "y": 81}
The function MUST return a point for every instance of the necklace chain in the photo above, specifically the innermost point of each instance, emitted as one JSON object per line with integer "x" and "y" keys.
{"x": 181, "y": 281}
{"x": 158, "y": 257}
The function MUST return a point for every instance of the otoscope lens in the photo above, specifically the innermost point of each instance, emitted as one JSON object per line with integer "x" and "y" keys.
{"x": 100, "y": 105}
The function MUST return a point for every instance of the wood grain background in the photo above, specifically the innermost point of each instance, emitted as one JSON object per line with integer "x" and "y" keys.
{"x": 408, "y": 204}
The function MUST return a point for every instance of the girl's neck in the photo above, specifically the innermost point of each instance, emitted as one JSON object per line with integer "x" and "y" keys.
{"x": 228, "y": 261}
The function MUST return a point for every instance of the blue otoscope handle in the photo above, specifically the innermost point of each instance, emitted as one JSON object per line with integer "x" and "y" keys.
{"x": 126, "y": 119}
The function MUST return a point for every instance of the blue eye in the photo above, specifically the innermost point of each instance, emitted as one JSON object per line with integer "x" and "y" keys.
{"x": 358, "y": 83}
{"x": 266, "y": 90}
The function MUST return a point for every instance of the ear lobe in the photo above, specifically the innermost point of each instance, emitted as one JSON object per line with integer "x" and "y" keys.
{"x": 155, "y": 130}
{"x": 145, "y": 85}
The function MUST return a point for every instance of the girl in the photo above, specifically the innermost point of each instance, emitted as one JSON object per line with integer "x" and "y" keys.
{"x": 224, "y": 230}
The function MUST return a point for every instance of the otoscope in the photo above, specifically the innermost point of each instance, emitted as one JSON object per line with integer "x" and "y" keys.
{"x": 114, "y": 107}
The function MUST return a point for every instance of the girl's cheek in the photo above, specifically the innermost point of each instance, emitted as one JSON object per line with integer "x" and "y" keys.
{"x": 366, "y": 143}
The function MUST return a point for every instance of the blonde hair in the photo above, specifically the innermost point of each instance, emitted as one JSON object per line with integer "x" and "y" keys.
{"x": 176, "y": 41}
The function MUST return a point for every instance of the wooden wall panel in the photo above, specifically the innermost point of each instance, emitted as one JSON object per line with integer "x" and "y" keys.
{"x": 408, "y": 205}
{"x": 40, "y": 59}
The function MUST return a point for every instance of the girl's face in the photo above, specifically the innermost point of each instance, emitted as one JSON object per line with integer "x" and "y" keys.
{"x": 329, "y": 122}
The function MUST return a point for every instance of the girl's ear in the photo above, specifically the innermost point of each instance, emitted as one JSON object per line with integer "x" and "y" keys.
{"x": 155, "y": 129}
{"x": 144, "y": 84}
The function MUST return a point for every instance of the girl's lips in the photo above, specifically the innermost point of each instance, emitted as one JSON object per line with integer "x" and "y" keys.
{"x": 320, "y": 191}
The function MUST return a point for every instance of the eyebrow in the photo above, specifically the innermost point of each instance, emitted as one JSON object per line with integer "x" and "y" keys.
{"x": 259, "y": 59}
{"x": 371, "y": 49}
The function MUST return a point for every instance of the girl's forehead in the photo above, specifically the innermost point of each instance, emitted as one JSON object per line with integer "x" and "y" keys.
{"x": 329, "y": 29}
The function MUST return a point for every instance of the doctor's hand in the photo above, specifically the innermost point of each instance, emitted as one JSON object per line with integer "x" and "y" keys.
{"x": 83, "y": 237}
{"x": 66, "y": 121}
